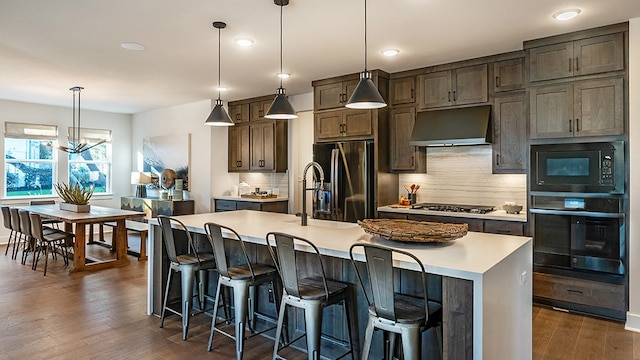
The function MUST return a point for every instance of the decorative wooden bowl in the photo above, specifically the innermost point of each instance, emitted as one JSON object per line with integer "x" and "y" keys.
{"x": 413, "y": 231}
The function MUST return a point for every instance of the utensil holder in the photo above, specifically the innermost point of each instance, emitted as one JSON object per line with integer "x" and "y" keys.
{"x": 412, "y": 198}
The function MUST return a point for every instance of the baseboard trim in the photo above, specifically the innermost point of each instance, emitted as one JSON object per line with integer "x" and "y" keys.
{"x": 633, "y": 322}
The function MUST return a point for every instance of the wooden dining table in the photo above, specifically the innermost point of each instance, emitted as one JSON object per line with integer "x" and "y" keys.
{"x": 98, "y": 214}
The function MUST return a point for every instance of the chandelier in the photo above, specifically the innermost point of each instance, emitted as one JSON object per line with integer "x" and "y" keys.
{"x": 76, "y": 144}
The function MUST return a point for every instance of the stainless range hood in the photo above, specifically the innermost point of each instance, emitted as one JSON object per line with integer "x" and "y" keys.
{"x": 460, "y": 126}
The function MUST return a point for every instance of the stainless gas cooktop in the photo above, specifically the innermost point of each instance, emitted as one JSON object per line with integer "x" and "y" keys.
{"x": 474, "y": 209}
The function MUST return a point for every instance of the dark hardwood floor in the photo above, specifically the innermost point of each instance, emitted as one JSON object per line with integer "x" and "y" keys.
{"x": 102, "y": 315}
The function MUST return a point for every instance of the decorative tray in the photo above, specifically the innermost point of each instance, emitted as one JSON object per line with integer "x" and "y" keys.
{"x": 413, "y": 231}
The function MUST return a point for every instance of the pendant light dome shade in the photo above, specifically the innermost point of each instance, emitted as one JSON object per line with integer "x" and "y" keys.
{"x": 219, "y": 116}
{"x": 281, "y": 108}
{"x": 365, "y": 95}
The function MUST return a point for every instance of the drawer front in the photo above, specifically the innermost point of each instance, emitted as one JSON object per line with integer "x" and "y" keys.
{"x": 503, "y": 227}
{"x": 245, "y": 205}
{"x": 225, "y": 205}
{"x": 474, "y": 224}
{"x": 579, "y": 291}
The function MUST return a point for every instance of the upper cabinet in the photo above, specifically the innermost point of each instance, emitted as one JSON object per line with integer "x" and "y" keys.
{"x": 333, "y": 95}
{"x": 510, "y": 133}
{"x": 404, "y": 157}
{"x": 508, "y": 75}
{"x": 581, "y": 108}
{"x": 269, "y": 146}
{"x": 461, "y": 86}
{"x": 402, "y": 90}
{"x": 259, "y": 109}
{"x": 345, "y": 123}
{"x": 239, "y": 112}
{"x": 592, "y": 55}
{"x": 238, "y": 148}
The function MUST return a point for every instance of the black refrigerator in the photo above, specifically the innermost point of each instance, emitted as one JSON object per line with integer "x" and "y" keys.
{"x": 348, "y": 192}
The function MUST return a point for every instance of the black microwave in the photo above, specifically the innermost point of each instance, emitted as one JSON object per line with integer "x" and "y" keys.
{"x": 596, "y": 167}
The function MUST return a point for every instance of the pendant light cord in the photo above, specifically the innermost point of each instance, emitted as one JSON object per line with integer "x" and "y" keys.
{"x": 280, "y": 76}
{"x": 219, "y": 61}
{"x": 365, "y": 35}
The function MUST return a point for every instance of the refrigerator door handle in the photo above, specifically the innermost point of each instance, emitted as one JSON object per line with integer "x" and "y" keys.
{"x": 334, "y": 184}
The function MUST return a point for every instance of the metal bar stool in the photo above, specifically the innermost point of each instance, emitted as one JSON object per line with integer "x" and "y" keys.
{"x": 242, "y": 276}
{"x": 311, "y": 292}
{"x": 395, "y": 313}
{"x": 13, "y": 234}
{"x": 187, "y": 264}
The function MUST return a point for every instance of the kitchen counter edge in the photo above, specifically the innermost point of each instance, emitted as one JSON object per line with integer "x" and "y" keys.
{"x": 238, "y": 198}
{"x": 494, "y": 215}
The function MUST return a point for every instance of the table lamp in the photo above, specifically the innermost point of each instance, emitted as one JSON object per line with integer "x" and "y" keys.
{"x": 140, "y": 179}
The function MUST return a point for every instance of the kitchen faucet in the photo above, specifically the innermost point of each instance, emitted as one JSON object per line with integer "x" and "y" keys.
{"x": 303, "y": 216}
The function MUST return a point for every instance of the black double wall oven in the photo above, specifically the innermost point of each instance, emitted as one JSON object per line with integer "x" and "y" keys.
{"x": 578, "y": 208}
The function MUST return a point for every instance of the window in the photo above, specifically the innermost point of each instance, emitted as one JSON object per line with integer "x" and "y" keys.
{"x": 30, "y": 162}
{"x": 92, "y": 167}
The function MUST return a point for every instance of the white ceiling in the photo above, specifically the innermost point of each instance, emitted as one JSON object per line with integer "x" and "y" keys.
{"x": 46, "y": 47}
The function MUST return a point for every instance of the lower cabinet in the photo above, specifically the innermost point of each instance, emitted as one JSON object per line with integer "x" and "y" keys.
{"x": 478, "y": 225}
{"x": 271, "y": 206}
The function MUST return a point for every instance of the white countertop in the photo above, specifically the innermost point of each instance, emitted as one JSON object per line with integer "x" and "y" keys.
{"x": 468, "y": 257}
{"x": 238, "y": 198}
{"x": 493, "y": 215}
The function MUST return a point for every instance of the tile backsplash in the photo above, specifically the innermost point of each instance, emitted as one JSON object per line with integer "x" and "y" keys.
{"x": 267, "y": 182}
{"x": 462, "y": 175}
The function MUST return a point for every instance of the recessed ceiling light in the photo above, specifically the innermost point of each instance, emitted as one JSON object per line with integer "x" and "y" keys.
{"x": 567, "y": 14}
{"x": 283, "y": 75}
{"x": 222, "y": 88}
{"x": 133, "y": 46}
{"x": 390, "y": 52}
{"x": 244, "y": 42}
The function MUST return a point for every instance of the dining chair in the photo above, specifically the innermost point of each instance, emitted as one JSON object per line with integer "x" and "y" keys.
{"x": 188, "y": 263}
{"x": 15, "y": 225}
{"x": 49, "y": 240}
{"x": 392, "y": 312}
{"x": 237, "y": 272}
{"x": 46, "y": 202}
{"x": 6, "y": 217}
{"x": 307, "y": 287}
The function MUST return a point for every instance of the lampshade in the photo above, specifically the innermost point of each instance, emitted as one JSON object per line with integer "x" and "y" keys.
{"x": 366, "y": 95}
{"x": 219, "y": 116}
{"x": 281, "y": 108}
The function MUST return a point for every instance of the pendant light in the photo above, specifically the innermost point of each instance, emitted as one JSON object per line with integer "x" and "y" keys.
{"x": 281, "y": 108}
{"x": 219, "y": 116}
{"x": 79, "y": 144}
{"x": 365, "y": 95}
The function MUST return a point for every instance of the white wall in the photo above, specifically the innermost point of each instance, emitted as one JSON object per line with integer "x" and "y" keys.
{"x": 633, "y": 316}
{"x": 119, "y": 124}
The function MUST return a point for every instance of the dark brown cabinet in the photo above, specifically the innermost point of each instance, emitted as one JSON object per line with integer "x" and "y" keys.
{"x": 343, "y": 124}
{"x": 461, "y": 86}
{"x": 591, "y": 55}
{"x": 280, "y": 206}
{"x": 402, "y": 90}
{"x": 510, "y": 134}
{"x": 508, "y": 75}
{"x": 268, "y": 146}
{"x": 238, "y": 148}
{"x": 583, "y": 108}
{"x": 239, "y": 113}
{"x": 259, "y": 109}
{"x": 579, "y": 291}
{"x": 503, "y": 227}
{"x": 404, "y": 157}
{"x": 334, "y": 95}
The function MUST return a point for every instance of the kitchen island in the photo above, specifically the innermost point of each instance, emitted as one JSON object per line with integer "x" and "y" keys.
{"x": 486, "y": 286}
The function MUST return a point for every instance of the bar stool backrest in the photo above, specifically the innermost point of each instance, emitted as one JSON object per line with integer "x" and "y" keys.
{"x": 15, "y": 219}
{"x": 287, "y": 262}
{"x": 6, "y": 216}
{"x": 379, "y": 264}
{"x": 25, "y": 222}
{"x": 166, "y": 226}
{"x": 214, "y": 233}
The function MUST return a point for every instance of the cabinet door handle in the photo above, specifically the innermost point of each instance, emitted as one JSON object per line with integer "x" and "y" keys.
{"x": 344, "y": 128}
{"x": 497, "y": 159}
{"x": 577, "y": 64}
{"x": 413, "y": 161}
{"x": 497, "y": 81}
{"x": 412, "y": 96}
{"x": 570, "y": 126}
{"x": 260, "y": 113}
{"x": 570, "y": 64}
{"x": 454, "y": 95}
{"x": 237, "y": 116}
{"x": 449, "y": 96}
{"x": 577, "y": 125}
{"x": 575, "y": 291}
